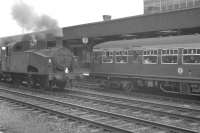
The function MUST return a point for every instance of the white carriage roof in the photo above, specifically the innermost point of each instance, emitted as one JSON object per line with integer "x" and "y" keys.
{"x": 188, "y": 41}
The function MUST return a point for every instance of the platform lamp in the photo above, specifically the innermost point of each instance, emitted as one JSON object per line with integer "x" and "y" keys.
{"x": 87, "y": 50}
{"x": 85, "y": 40}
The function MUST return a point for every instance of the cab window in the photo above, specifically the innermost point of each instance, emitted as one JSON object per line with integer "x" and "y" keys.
{"x": 169, "y": 56}
{"x": 121, "y": 56}
{"x": 150, "y": 56}
{"x": 191, "y": 56}
{"x": 107, "y": 57}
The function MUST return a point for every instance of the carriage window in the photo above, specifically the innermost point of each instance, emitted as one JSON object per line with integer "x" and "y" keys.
{"x": 175, "y": 51}
{"x": 121, "y": 56}
{"x": 150, "y": 56}
{"x": 97, "y": 58}
{"x": 167, "y": 51}
{"x": 134, "y": 56}
{"x": 145, "y": 53}
{"x": 155, "y": 52}
{"x": 185, "y": 51}
{"x": 169, "y": 56}
{"x": 191, "y": 56}
{"x": 107, "y": 57}
{"x": 191, "y": 51}
{"x": 171, "y": 59}
{"x": 131, "y": 52}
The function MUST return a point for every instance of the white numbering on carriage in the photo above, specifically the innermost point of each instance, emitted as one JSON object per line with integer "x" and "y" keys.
{"x": 180, "y": 70}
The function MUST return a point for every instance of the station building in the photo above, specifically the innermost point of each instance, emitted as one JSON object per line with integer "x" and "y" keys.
{"x": 81, "y": 38}
{"x": 158, "y": 6}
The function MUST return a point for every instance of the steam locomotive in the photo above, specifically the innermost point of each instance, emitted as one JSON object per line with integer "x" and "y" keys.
{"x": 30, "y": 62}
{"x": 168, "y": 64}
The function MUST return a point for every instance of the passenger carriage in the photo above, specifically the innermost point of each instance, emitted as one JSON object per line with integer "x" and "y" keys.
{"x": 170, "y": 64}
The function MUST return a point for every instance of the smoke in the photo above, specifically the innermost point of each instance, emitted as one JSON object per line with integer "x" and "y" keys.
{"x": 29, "y": 20}
{"x": 24, "y": 15}
{"x": 46, "y": 22}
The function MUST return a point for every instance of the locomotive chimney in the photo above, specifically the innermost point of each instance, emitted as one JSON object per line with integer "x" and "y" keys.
{"x": 59, "y": 42}
{"x": 106, "y": 17}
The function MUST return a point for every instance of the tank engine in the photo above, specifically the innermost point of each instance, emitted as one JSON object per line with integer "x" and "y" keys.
{"x": 23, "y": 62}
{"x": 168, "y": 64}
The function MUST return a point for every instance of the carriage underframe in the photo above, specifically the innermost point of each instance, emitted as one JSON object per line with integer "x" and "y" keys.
{"x": 130, "y": 83}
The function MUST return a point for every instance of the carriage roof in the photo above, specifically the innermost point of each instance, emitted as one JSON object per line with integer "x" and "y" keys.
{"x": 186, "y": 41}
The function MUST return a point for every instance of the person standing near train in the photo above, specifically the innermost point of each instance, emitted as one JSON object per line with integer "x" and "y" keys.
{"x": 69, "y": 75}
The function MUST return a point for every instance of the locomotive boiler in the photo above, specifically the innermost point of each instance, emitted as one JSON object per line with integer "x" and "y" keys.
{"x": 23, "y": 62}
{"x": 168, "y": 64}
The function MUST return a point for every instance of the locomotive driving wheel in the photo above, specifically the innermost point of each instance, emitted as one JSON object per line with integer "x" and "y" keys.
{"x": 32, "y": 82}
{"x": 61, "y": 84}
{"x": 16, "y": 81}
{"x": 56, "y": 84}
{"x": 52, "y": 84}
{"x": 44, "y": 82}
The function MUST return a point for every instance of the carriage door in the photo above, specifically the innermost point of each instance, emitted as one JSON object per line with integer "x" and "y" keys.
{"x": 4, "y": 58}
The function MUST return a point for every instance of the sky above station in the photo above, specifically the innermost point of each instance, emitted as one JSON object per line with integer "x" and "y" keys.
{"x": 64, "y": 12}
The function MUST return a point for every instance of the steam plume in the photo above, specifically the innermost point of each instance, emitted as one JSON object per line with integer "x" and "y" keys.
{"x": 29, "y": 20}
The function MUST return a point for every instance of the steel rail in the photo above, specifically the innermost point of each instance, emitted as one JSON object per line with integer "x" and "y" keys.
{"x": 134, "y": 119}
{"x": 131, "y": 99}
{"x": 135, "y": 107}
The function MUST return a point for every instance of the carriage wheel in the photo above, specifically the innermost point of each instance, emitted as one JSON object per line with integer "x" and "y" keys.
{"x": 128, "y": 86}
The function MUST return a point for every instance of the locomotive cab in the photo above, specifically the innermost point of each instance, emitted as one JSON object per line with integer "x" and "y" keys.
{"x": 5, "y": 54}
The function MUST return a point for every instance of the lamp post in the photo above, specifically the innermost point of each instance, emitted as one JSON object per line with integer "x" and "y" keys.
{"x": 86, "y": 52}
{"x": 84, "y": 40}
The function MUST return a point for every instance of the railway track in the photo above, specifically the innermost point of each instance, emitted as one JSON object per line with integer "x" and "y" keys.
{"x": 167, "y": 100}
{"x": 185, "y": 113}
{"x": 185, "y": 108}
{"x": 94, "y": 85}
{"x": 107, "y": 115}
{"x": 168, "y": 114}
